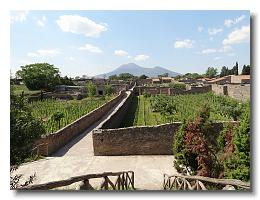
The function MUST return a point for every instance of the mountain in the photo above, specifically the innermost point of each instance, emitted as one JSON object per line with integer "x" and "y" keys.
{"x": 137, "y": 70}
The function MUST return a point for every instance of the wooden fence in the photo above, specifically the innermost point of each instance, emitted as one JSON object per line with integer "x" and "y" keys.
{"x": 180, "y": 182}
{"x": 124, "y": 181}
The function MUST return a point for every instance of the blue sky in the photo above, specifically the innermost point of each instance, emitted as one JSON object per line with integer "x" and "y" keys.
{"x": 95, "y": 42}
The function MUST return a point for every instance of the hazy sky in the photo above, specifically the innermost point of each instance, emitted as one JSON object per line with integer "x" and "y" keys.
{"x": 94, "y": 42}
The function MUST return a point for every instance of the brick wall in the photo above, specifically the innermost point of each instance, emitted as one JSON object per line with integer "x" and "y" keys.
{"x": 143, "y": 140}
{"x": 57, "y": 140}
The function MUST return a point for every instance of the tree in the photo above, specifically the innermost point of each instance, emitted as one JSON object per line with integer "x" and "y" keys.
{"x": 66, "y": 81}
{"x": 224, "y": 71}
{"x": 113, "y": 77}
{"x": 91, "y": 89}
{"x": 238, "y": 165}
{"x": 126, "y": 76}
{"x": 39, "y": 76}
{"x": 57, "y": 116}
{"x": 164, "y": 75}
{"x": 24, "y": 129}
{"x": 235, "y": 69}
{"x": 211, "y": 72}
{"x": 143, "y": 76}
{"x": 108, "y": 89}
{"x": 246, "y": 70}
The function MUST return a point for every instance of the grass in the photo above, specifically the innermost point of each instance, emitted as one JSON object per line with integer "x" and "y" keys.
{"x": 18, "y": 89}
{"x": 187, "y": 107}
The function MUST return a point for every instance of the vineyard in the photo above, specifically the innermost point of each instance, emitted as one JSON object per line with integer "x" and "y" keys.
{"x": 56, "y": 114}
{"x": 155, "y": 110}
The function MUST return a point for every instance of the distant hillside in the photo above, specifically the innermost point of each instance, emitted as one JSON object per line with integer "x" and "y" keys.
{"x": 137, "y": 70}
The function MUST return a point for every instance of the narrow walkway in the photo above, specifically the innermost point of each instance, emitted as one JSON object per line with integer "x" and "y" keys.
{"x": 83, "y": 144}
{"x": 77, "y": 158}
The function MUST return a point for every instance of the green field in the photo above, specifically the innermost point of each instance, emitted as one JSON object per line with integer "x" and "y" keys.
{"x": 18, "y": 89}
{"x": 72, "y": 110}
{"x": 150, "y": 110}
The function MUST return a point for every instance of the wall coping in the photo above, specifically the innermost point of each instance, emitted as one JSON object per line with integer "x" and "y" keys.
{"x": 155, "y": 126}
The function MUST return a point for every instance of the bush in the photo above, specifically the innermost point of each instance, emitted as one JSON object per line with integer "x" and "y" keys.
{"x": 180, "y": 86}
{"x": 193, "y": 147}
{"x": 91, "y": 89}
{"x": 24, "y": 130}
{"x": 237, "y": 166}
{"x": 108, "y": 89}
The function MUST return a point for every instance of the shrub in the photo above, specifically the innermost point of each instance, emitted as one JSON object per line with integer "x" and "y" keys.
{"x": 24, "y": 130}
{"x": 238, "y": 165}
{"x": 193, "y": 147}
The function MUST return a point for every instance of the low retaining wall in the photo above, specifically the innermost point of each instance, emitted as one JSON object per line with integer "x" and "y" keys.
{"x": 55, "y": 141}
{"x": 172, "y": 91}
{"x": 143, "y": 140}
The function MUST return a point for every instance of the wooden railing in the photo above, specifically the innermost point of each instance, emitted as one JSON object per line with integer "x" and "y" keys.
{"x": 124, "y": 181}
{"x": 180, "y": 182}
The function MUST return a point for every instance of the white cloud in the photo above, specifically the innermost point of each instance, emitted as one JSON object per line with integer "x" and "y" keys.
{"x": 90, "y": 48}
{"x": 18, "y": 16}
{"x": 225, "y": 48}
{"x": 200, "y": 29}
{"x": 187, "y": 43}
{"x": 230, "y": 22}
{"x": 217, "y": 58}
{"x": 44, "y": 53}
{"x": 120, "y": 53}
{"x": 71, "y": 58}
{"x": 141, "y": 57}
{"x": 41, "y": 22}
{"x": 80, "y": 25}
{"x": 214, "y": 31}
{"x": 238, "y": 36}
{"x": 208, "y": 51}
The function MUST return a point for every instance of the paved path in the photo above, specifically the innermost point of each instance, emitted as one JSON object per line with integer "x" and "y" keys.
{"x": 77, "y": 158}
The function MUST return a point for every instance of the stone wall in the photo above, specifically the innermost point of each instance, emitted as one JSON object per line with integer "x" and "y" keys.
{"x": 116, "y": 119}
{"x": 172, "y": 91}
{"x": 237, "y": 91}
{"x": 240, "y": 92}
{"x": 55, "y": 141}
{"x": 143, "y": 140}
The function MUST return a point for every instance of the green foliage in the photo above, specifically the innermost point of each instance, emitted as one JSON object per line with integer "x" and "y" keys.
{"x": 108, "y": 89}
{"x": 238, "y": 165}
{"x": 91, "y": 89}
{"x": 19, "y": 89}
{"x": 246, "y": 70}
{"x": 123, "y": 76}
{"x": 72, "y": 110}
{"x": 188, "y": 76}
{"x": 156, "y": 108}
{"x": 211, "y": 72}
{"x": 66, "y": 81}
{"x": 193, "y": 148}
{"x": 39, "y": 76}
{"x": 25, "y": 129}
{"x": 147, "y": 94}
{"x": 57, "y": 116}
{"x": 143, "y": 76}
{"x": 180, "y": 86}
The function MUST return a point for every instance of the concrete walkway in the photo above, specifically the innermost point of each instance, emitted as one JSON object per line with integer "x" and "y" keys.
{"x": 77, "y": 158}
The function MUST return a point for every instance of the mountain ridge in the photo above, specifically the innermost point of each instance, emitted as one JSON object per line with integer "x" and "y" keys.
{"x": 137, "y": 70}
